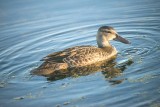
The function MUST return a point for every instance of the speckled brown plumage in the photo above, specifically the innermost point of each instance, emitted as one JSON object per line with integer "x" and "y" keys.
{"x": 82, "y": 55}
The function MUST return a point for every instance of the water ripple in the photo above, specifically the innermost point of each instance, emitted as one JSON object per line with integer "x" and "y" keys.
{"x": 26, "y": 38}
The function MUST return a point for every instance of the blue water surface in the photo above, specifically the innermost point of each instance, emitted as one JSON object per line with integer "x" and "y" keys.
{"x": 29, "y": 30}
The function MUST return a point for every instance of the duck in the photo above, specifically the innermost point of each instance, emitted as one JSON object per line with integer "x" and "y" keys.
{"x": 84, "y": 55}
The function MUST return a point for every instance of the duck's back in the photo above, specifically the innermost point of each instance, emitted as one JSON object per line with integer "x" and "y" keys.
{"x": 76, "y": 57}
{"x": 81, "y": 55}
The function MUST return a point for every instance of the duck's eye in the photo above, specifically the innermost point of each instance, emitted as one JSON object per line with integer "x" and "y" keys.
{"x": 107, "y": 31}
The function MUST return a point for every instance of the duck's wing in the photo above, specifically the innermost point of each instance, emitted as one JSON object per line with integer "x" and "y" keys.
{"x": 58, "y": 57}
{"x": 83, "y": 56}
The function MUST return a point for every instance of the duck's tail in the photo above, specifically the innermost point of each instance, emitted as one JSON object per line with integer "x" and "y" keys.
{"x": 47, "y": 68}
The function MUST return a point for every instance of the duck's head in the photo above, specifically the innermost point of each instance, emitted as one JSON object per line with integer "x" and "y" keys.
{"x": 107, "y": 33}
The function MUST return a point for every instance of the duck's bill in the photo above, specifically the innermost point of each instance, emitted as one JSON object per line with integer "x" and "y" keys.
{"x": 121, "y": 39}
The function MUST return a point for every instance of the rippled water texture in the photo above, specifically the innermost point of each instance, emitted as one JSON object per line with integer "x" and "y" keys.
{"x": 29, "y": 30}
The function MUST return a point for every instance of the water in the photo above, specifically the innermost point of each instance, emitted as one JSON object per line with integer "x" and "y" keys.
{"x": 29, "y": 30}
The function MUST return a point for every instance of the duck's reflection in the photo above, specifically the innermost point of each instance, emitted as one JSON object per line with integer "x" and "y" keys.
{"x": 109, "y": 69}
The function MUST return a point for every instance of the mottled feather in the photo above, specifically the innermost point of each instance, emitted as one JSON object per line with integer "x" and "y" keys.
{"x": 80, "y": 55}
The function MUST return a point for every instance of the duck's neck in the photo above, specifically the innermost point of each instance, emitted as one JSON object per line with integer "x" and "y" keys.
{"x": 102, "y": 42}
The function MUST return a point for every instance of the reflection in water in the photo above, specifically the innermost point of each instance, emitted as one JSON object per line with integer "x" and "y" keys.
{"x": 109, "y": 69}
